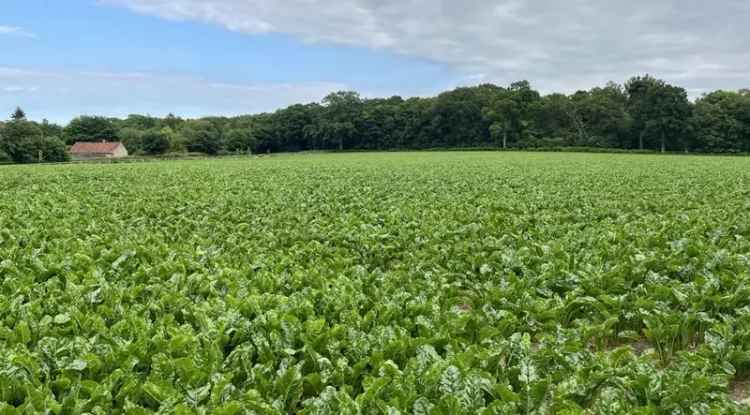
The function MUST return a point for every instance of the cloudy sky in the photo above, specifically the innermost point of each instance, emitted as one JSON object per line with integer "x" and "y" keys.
{"x": 199, "y": 57}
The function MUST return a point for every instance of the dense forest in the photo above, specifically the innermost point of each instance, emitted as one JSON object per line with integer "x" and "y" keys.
{"x": 643, "y": 114}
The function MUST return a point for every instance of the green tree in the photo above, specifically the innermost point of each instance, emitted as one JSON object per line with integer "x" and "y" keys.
{"x": 176, "y": 139}
{"x": 50, "y": 129}
{"x": 52, "y": 149}
{"x": 342, "y": 110}
{"x": 503, "y": 115}
{"x": 240, "y": 140}
{"x": 660, "y": 113}
{"x": 511, "y": 112}
{"x": 23, "y": 142}
{"x": 600, "y": 116}
{"x": 155, "y": 141}
{"x": 140, "y": 122}
{"x": 457, "y": 119}
{"x": 289, "y": 126}
{"x": 203, "y": 136}
{"x": 90, "y": 128}
{"x": 172, "y": 121}
{"x": 19, "y": 140}
{"x": 382, "y": 123}
{"x": 18, "y": 114}
{"x": 417, "y": 127}
{"x": 131, "y": 138}
{"x": 721, "y": 122}
{"x": 526, "y": 101}
{"x": 558, "y": 122}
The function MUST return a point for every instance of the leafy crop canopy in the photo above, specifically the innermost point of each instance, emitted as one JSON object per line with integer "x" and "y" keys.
{"x": 426, "y": 283}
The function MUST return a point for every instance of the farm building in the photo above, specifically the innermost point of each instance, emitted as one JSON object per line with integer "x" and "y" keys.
{"x": 104, "y": 149}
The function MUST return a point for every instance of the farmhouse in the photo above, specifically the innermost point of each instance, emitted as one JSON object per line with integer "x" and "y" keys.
{"x": 104, "y": 149}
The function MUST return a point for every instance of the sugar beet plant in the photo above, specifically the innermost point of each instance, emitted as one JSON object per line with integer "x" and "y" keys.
{"x": 445, "y": 283}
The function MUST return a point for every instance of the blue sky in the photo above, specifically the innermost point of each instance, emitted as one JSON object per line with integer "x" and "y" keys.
{"x": 61, "y": 59}
{"x": 78, "y": 38}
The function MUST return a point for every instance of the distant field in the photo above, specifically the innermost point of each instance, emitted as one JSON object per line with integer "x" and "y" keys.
{"x": 427, "y": 283}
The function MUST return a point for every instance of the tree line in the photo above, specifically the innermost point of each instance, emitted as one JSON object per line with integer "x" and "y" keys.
{"x": 643, "y": 114}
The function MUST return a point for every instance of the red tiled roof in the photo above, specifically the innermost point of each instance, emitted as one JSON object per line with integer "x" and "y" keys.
{"x": 94, "y": 148}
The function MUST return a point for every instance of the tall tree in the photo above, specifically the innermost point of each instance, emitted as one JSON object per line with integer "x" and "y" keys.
{"x": 501, "y": 113}
{"x": 90, "y": 128}
{"x": 457, "y": 119}
{"x": 600, "y": 116}
{"x": 131, "y": 138}
{"x": 172, "y": 121}
{"x": 660, "y": 112}
{"x": 155, "y": 141}
{"x": 342, "y": 110}
{"x": 51, "y": 149}
{"x": 203, "y": 136}
{"x": 23, "y": 142}
{"x": 18, "y": 138}
{"x": 290, "y": 123}
{"x": 240, "y": 140}
{"x": 18, "y": 114}
{"x": 142, "y": 122}
{"x": 721, "y": 122}
{"x": 512, "y": 111}
{"x": 558, "y": 122}
{"x": 50, "y": 130}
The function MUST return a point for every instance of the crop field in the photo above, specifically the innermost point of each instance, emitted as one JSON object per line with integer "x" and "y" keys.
{"x": 425, "y": 283}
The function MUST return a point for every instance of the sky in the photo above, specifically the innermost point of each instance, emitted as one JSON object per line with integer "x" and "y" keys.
{"x": 61, "y": 59}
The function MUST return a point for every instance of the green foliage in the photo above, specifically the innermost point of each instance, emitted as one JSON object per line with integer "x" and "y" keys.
{"x": 52, "y": 149}
{"x": 23, "y": 141}
{"x": 660, "y": 113}
{"x": 4, "y": 157}
{"x": 131, "y": 138}
{"x": 50, "y": 129}
{"x": 721, "y": 122}
{"x": 90, "y": 128}
{"x": 426, "y": 283}
{"x": 18, "y": 114}
{"x": 155, "y": 141}
{"x": 240, "y": 140}
{"x": 19, "y": 140}
{"x": 341, "y": 109}
{"x": 645, "y": 114}
{"x": 203, "y": 136}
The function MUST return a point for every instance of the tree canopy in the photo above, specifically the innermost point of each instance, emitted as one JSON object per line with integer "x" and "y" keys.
{"x": 23, "y": 141}
{"x": 90, "y": 128}
{"x": 18, "y": 114}
{"x": 645, "y": 113}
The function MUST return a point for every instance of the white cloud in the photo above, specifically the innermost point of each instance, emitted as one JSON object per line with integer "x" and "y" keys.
{"x": 8, "y": 73}
{"x": 16, "y": 31}
{"x": 60, "y": 96}
{"x": 558, "y": 45}
{"x": 13, "y": 89}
